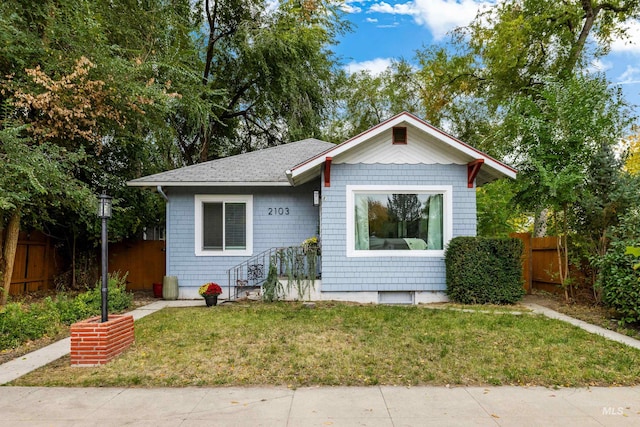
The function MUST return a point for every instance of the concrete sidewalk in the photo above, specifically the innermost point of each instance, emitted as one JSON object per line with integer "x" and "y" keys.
{"x": 321, "y": 406}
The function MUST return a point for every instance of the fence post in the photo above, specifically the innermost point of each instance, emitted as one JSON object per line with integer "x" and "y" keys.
{"x": 527, "y": 262}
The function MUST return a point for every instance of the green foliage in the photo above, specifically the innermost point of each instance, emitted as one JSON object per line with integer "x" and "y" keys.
{"x": 272, "y": 289}
{"x": 498, "y": 215}
{"x": 20, "y": 322}
{"x": 484, "y": 270}
{"x": 618, "y": 279}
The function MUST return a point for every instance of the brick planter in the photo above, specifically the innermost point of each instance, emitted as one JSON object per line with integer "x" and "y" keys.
{"x": 94, "y": 343}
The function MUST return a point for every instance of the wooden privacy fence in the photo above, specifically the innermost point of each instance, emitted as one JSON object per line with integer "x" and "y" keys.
{"x": 143, "y": 259}
{"x": 38, "y": 263}
{"x": 540, "y": 263}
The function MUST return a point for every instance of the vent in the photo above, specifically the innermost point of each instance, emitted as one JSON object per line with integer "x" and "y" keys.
{"x": 399, "y": 135}
{"x": 395, "y": 297}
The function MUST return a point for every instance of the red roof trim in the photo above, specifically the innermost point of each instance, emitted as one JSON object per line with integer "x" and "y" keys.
{"x": 384, "y": 123}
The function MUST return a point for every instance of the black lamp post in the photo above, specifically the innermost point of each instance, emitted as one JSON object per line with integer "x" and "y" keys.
{"x": 104, "y": 212}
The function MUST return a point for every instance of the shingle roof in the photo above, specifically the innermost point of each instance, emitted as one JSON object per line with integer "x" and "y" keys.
{"x": 264, "y": 167}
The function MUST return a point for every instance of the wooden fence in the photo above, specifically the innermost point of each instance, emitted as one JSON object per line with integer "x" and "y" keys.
{"x": 38, "y": 263}
{"x": 144, "y": 260}
{"x": 540, "y": 263}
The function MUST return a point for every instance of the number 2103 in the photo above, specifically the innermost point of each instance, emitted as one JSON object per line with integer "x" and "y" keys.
{"x": 278, "y": 211}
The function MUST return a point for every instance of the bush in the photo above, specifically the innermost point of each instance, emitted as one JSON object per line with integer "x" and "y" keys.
{"x": 484, "y": 270}
{"x": 20, "y": 323}
{"x": 618, "y": 280}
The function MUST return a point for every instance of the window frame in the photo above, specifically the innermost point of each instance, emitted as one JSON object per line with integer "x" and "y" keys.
{"x": 447, "y": 218}
{"x": 199, "y": 201}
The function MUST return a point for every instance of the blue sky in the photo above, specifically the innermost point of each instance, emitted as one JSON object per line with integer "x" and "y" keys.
{"x": 390, "y": 29}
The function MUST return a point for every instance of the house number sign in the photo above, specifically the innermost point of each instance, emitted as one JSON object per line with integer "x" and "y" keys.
{"x": 278, "y": 211}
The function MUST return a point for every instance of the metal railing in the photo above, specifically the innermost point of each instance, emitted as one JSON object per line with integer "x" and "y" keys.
{"x": 252, "y": 273}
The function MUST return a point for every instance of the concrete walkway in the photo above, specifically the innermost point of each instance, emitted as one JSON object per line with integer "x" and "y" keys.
{"x": 321, "y": 406}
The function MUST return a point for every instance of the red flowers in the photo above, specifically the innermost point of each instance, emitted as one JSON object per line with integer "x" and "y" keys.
{"x": 210, "y": 289}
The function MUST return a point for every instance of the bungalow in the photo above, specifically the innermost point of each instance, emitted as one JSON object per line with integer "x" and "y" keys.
{"x": 383, "y": 204}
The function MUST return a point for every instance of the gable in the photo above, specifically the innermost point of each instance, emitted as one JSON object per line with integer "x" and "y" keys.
{"x": 425, "y": 144}
{"x": 420, "y": 148}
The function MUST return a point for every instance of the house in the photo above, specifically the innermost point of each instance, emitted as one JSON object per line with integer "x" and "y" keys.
{"x": 383, "y": 204}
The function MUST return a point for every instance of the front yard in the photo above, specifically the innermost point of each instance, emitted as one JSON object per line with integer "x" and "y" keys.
{"x": 341, "y": 344}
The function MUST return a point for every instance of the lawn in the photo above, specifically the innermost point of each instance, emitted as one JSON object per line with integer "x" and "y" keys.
{"x": 342, "y": 344}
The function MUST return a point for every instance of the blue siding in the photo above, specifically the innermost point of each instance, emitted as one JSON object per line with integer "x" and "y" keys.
{"x": 342, "y": 274}
{"x": 268, "y": 230}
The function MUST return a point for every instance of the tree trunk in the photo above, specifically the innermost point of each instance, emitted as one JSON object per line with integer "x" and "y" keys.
{"x": 9, "y": 254}
{"x": 540, "y": 223}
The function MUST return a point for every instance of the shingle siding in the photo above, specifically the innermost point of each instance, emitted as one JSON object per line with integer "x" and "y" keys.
{"x": 268, "y": 230}
{"x": 342, "y": 274}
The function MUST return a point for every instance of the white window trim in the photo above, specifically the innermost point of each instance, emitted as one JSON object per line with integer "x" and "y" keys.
{"x": 199, "y": 200}
{"x": 447, "y": 207}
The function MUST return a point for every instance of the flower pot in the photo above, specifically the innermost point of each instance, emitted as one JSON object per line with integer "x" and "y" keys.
{"x": 211, "y": 300}
{"x": 157, "y": 290}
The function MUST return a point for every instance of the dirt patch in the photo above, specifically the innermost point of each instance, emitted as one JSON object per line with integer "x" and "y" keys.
{"x": 585, "y": 310}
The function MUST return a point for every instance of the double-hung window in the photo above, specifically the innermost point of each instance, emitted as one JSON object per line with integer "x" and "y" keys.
{"x": 398, "y": 220}
{"x": 223, "y": 225}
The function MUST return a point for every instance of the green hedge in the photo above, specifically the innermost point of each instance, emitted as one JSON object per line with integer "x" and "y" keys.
{"x": 484, "y": 270}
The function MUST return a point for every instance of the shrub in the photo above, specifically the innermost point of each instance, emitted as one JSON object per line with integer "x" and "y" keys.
{"x": 484, "y": 270}
{"x": 618, "y": 279}
{"x": 20, "y": 322}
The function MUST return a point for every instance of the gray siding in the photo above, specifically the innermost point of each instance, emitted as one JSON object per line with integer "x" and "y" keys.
{"x": 268, "y": 230}
{"x": 342, "y": 274}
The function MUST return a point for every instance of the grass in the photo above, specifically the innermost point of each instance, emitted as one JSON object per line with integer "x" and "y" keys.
{"x": 340, "y": 344}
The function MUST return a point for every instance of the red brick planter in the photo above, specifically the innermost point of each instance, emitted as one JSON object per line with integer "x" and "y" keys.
{"x": 95, "y": 343}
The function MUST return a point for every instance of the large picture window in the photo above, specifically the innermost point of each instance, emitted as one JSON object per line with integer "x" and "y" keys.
{"x": 398, "y": 221}
{"x": 223, "y": 225}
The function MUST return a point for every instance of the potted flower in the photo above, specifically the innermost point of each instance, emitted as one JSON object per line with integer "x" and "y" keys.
{"x": 210, "y": 291}
{"x": 311, "y": 245}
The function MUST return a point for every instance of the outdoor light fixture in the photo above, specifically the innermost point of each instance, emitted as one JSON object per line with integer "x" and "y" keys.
{"x": 104, "y": 212}
{"x": 316, "y": 198}
{"x": 104, "y": 207}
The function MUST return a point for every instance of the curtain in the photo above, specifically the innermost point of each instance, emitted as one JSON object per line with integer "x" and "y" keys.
{"x": 361, "y": 222}
{"x": 434, "y": 235}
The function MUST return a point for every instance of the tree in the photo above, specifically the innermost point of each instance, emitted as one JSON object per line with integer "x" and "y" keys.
{"x": 365, "y": 99}
{"x": 558, "y": 141}
{"x": 34, "y": 178}
{"x": 257, "y": 95}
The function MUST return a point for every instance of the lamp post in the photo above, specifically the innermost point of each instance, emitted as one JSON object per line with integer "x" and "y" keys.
{"x": 104, "y": 212}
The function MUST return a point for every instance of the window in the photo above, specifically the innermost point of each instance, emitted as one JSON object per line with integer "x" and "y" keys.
{"x": 398, "y": 220}
{"x": 223, "y": 225}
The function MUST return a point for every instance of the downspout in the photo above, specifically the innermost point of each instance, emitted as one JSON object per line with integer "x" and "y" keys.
{"x": 159, "y": 188}
{"x": 166, "y": 235}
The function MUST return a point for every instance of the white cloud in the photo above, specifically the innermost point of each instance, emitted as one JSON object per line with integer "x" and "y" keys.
{"x": 599, "y": 66}
{"x": 439, "y": 16}
{"x": 371, "y": 20}
{"x": 374, "y": 66}
{"x": 630, "y": 44}
{"x": 630, "y": 76}
{"x": 347, "y": 8}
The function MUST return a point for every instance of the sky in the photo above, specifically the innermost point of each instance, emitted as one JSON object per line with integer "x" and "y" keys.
{"x": 390, "y": 29}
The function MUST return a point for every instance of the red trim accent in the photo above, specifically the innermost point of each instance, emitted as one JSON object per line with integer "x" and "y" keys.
{"x": 415, "y": 118}
{"x": 472, "y": 171}
{"x": 327, "y": 171}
